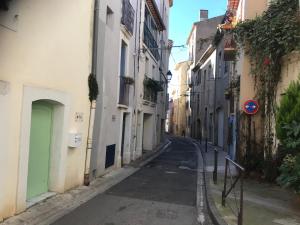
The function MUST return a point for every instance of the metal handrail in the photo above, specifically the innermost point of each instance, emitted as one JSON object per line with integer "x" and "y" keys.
{"x": 215, "y": 173}
{"x": 235, "y": 163}
{"x": 233, "y": 182}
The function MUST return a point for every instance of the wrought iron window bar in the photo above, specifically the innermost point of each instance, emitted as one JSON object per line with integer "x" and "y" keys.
{"x": 150, "y": 42}
{"x": 128, "y": 16}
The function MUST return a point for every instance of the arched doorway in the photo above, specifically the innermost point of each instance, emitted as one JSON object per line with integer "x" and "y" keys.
{"x": 44, "y": 112}
{"x": 39, "y": 148}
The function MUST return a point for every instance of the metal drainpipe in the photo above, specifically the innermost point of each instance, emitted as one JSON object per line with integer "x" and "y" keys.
{"x": 215, "y": 138}
{"x": 137, "y": 51}
{"x": 93, "y": 103}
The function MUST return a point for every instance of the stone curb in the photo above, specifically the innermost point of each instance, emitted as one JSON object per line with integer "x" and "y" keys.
{"x": 213, "y": 212}
{"x": 51, "y": 209}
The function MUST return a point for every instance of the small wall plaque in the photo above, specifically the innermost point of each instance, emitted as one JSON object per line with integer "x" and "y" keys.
{"x": 78, "y": 117}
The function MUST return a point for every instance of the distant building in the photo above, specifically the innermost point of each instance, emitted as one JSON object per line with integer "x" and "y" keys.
{"x": 179, "y": 113}
{"x": 201, "y": 75}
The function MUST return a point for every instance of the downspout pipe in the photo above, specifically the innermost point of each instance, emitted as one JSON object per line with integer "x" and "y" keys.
{"x": 215, "y": 137}
{"x": 137, "y": 52}
{"x": 92, "y": 99}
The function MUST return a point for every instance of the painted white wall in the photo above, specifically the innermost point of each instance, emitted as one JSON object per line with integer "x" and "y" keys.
{"x": 108, "y": 117}
{"x": 158, "y": 110}
{"x": 109, "y": 113}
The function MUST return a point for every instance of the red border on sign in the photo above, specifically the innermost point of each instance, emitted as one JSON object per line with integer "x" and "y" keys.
{"x": 254, "y": 112}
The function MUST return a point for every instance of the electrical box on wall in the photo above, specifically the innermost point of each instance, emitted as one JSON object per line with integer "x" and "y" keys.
{"x": 75, "y": 140}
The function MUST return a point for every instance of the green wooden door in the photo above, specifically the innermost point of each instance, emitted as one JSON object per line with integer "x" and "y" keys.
{"x": 39, "y": 153}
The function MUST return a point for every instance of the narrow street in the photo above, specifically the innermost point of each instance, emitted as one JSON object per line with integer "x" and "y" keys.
{"x": 150, "y": 112}
{"x": 161, "y": 193}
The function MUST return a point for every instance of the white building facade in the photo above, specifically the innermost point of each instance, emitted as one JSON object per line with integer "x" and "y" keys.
{"x": 133, "y": 54}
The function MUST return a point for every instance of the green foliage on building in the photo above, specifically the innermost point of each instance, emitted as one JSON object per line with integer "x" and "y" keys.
{"x": 288, "y": 132}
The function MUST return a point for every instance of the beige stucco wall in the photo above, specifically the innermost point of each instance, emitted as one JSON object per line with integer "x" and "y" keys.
{"x": 179, "y": 98}
{"x": 49, "y": 48}
{"x": 290, "y": 71}
{"x": 247, "y": 10}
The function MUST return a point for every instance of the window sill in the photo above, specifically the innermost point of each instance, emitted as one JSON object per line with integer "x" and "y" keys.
{"x": 146, "y": 102}
{"x": 125, "y": 31}
{"x": 121, "y": 106}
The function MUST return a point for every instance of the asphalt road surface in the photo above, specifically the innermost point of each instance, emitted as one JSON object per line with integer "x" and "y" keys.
{"x": 161, "y": 193}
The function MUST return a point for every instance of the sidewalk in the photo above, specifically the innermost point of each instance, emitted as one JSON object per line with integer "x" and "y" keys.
{"x": 51, "y": 209}
{"x": 264, "y": 203}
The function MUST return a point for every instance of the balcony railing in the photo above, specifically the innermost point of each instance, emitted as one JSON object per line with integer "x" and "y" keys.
{"x": 128, "y": 16}
{"x": 124, "y": 91}
{"x": 150, "y": 42}
{"x": 150, "y": 95}
{"x": 151, "y": 88}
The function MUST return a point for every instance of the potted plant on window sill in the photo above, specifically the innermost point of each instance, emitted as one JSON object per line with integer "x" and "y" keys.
{"x": 128, "y": 80}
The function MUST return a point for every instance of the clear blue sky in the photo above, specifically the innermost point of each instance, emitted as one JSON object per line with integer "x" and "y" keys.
{"x": 183, "y": 14}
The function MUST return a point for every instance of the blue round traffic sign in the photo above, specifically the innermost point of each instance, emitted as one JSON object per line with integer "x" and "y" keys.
{"x": 251, "y": 107}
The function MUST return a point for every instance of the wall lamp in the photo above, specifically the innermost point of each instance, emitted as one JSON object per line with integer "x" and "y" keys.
{"x": 169, "y": 76}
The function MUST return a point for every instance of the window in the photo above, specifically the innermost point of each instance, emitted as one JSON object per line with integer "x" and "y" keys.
{"x": 210, "y": 75}
{"x": 150, "y": 34}
{"x": 199, "y": 76}
{"x": 147, "y": 66}
{"x": 127, "y": 16}
{"x": 4, "y": 5}
{"x": 124, "y": 87}
{"x": 226, "y": 67}
{"x": 109, "y": 17}
{"x": 123, "y": 59}
{"x": 149, "y": 21}
{"x": 153, "y": 71}
{"x": 220, "y": 64}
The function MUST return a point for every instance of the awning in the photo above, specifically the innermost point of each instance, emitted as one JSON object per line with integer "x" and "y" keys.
{"x": 156, "y": 14}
